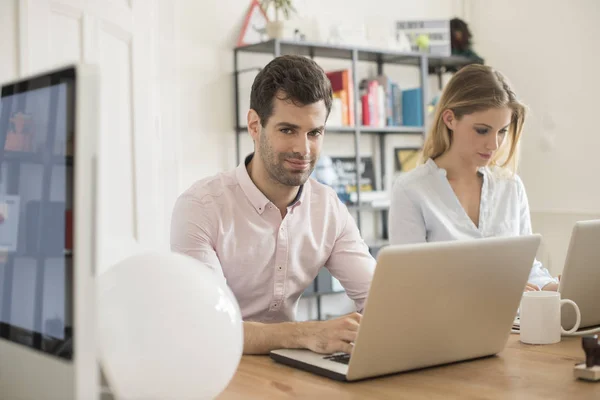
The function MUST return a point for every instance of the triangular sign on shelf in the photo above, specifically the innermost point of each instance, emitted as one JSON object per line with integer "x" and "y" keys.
{"x": 254, "y": 29}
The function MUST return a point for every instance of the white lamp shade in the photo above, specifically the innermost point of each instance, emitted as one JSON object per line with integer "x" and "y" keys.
{"x": 169, "y": 328}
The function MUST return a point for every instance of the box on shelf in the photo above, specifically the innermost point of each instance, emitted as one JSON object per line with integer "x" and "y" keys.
{"x": 427, "y": 36}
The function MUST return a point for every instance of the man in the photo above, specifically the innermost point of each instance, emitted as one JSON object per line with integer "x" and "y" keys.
{"x": 267, "y": 228}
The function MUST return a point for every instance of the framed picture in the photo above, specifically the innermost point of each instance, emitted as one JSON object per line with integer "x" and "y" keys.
{"x": 406, "y": 158}
{"x": 254, "y": 29}
{"x": 345, "y": 168}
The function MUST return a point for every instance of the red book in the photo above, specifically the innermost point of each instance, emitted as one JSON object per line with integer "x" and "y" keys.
{"x": 374, "y": 102}
{"x": 366, "y": 113}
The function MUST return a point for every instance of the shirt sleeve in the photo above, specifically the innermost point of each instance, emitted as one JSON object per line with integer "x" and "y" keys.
{"x": 192, "y": 231}
{"x": 539, "y": 275}
{"x": 405, "y": 222}
{"x": 350, "y": 261}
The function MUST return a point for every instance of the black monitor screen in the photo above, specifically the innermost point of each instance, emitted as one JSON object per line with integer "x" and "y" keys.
{"x": 37, "y": 123}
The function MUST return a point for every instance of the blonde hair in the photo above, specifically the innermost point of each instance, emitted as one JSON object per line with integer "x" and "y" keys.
{"x": 477, "y": 88}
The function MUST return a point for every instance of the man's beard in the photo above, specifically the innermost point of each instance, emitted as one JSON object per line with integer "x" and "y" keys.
{"x": 274, "y": 163}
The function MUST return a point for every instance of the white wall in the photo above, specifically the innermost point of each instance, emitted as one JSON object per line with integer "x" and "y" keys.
{"x": 8, "y": 44}
{"x": 550, "y": 53}
{"x": 169, "y": 83}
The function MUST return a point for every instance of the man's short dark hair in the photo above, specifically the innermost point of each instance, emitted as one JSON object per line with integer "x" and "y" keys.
{"x": 290, "y": 77}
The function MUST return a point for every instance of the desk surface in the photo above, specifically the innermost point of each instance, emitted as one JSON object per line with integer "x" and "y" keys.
{"x": 518, "y": 372}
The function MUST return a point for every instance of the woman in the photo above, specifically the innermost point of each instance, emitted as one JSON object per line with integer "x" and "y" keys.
{"x": 467, "y": 187}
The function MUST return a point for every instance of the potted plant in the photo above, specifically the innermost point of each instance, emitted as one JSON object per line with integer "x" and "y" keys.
{"x": 283, "y": 10}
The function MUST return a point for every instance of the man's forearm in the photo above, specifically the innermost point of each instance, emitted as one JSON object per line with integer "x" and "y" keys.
{"x": 261, "y": 338}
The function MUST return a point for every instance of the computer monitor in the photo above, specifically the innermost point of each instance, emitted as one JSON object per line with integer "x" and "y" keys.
{"x": 49, "y": 129}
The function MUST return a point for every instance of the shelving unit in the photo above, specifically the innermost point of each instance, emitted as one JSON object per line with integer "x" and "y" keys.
{"x": 427, "y": 65}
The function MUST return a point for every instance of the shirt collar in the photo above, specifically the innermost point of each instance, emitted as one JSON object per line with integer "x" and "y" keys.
{"x": 434, "y": 167}
{"x": 299, "y": 196}
{"x": 258, "y": 200}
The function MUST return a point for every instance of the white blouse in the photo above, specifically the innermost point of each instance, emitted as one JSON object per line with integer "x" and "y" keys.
{"x": 424, "y": 208}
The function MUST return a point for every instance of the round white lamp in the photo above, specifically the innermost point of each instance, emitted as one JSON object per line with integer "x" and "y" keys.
{"x": 169, "y": 328}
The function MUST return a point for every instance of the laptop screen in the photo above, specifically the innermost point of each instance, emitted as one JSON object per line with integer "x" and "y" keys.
{"x": 36, "y": 207}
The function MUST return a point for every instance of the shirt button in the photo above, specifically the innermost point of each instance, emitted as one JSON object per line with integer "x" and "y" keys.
{"x": 279, "y": 268}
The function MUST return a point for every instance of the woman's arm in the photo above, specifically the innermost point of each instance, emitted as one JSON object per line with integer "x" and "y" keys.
{"x": 405, "y": 222}
{"x": 539, "y": 275}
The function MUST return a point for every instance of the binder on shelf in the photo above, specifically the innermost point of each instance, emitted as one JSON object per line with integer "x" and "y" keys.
{"x": 412, "y": 107}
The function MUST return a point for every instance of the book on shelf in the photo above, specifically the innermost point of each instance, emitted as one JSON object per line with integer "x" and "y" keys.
{"x": 382, "y": 102}
{"x": 385, "y": 101}
{"x": 342, "y": 86}
{"x": 412, "y": 107}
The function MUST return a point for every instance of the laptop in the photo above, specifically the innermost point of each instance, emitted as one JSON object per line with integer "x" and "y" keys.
{"x": 580, "y": 277}
{"x": 580, "y": 280}
{"x": 431, "y": 304}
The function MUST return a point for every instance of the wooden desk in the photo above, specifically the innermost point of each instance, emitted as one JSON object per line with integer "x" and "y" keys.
{"x": 518, "y": 372}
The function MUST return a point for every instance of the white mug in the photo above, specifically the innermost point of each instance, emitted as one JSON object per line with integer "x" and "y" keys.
{"x": 540, "y": 317}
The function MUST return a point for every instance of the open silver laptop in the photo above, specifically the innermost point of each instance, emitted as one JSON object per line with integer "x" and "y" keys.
{"x": 431, "y": 304}
{"x": 580, "y": 279}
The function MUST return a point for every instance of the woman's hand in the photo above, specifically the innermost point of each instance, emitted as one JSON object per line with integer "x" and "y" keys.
{"x": 552, "y": 287}
{"x": 530, "y": 287}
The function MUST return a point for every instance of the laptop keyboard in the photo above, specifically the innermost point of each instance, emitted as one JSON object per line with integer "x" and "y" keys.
{"x": 342, "y": 358}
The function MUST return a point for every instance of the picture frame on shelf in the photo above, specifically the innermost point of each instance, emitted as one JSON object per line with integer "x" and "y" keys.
{"x": 345, "y": 169}
{"x": 339, "y": 172}
{"x": 406, "y": 158}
